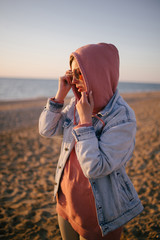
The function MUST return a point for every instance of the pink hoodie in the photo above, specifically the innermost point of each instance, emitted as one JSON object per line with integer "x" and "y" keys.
{"x": 99, "y": 65}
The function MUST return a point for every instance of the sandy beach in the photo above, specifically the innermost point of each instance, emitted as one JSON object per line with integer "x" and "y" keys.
{"x": 28, "y": 163}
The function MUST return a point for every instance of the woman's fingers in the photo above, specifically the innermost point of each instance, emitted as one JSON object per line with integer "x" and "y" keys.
{"x": 88, "y": 99}
{"x": 91, "y": 101}
{"x": 69, "y": 72}
{"x": 69, "y": 76}
{"x": 66, "y": 79}
{"x": 84, "y": 97}
{"x": 85, "y": 108}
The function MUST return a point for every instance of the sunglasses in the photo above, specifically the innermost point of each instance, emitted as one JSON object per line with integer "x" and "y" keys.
{"x": 76, "y": 74}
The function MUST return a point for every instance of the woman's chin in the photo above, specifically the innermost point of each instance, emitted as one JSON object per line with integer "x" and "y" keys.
{"x": 81, "y": 90}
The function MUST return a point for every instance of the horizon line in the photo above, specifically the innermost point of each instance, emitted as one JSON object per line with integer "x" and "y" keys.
{"x": 55, "y": 79}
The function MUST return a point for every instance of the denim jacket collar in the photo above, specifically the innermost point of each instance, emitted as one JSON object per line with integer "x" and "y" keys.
{"x": 110, "y": 105}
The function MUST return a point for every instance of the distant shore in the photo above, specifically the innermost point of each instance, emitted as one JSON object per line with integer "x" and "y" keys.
{"x": 34, "y": 88}
{"x": 28, "y": 163}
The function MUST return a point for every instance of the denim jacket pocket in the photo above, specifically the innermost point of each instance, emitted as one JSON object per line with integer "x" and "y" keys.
{"x": 124, "y": 185}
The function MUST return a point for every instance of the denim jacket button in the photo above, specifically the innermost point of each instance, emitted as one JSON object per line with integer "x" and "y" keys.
{"x": 59, "y": 167}
{"x": 55, "y": 183}
{"x": 66, "y": 149}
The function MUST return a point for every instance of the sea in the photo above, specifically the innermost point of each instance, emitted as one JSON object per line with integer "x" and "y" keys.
{"x": 24, "y": 88}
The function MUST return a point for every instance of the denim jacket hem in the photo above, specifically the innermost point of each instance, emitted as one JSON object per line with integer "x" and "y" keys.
{"x": 121, "y": 220}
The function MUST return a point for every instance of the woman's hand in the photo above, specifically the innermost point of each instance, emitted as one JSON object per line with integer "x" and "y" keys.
{"x": 85, "y": 108}
{"x": 64, "y": 86}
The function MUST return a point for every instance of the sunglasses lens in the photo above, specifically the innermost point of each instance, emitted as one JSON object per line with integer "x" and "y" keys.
{"x": 77, "y": 74}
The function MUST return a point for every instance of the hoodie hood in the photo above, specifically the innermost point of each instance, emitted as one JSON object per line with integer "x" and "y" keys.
{"x": 99, "y": 65}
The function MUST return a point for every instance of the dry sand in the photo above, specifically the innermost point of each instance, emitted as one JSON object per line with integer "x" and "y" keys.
{"x": 28, "y": 162}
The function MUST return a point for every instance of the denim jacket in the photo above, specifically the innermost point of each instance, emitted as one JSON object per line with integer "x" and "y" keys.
{"x": 102, "y": 152}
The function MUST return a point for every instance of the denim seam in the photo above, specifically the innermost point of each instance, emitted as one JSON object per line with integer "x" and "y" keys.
{"x": 86, "y": 133}
{"x": 54, "y": 104}
{"x": 76, "y": 135}
{"x": 54, "y": 110}
{"x": 117, "y": 123}
{"x": 85, "y": 130}
{"x": 81, "y": 135}
{"x": 122, "y": 214}
{"x": 126, "y": 110}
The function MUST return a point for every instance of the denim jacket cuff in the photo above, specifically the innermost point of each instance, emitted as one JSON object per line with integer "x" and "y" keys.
{"x": 54, "y": 106}
{"x": 83, "y": 133}
{"x": 83, "y": 125}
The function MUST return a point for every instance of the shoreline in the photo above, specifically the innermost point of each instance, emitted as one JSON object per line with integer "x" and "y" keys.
{"x": 28, "y": 164}
{"x": 42, "y": 98}
{"x": 29, "y": 100}
{"x": 13, "y": 104}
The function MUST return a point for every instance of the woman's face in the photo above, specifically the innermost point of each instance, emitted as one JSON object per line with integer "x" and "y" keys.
{"x": 77, "y": 77}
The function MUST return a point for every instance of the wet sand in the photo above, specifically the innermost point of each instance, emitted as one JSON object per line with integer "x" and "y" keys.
{"x": 28, "y": 162}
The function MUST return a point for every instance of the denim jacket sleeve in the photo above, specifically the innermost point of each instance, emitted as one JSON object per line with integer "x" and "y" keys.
{"x": 99, "y": 158}
{"x": 52, "y": 118}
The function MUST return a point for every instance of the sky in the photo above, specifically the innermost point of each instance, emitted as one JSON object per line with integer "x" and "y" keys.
{"x": 38, "y": 36}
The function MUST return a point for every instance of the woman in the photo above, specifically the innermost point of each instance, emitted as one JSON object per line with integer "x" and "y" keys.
{"x": 95, "y": 197}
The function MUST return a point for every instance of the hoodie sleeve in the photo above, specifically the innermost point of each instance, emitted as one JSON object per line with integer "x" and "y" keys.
{"x": 99, "y": 158}
{"x": 52, "y": 118}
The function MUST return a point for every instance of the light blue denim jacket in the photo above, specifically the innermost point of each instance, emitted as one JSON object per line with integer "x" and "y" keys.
{"x": 102, "y": 153}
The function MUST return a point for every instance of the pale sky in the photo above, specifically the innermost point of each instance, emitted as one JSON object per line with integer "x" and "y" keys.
{"x": 37, "y": 36}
